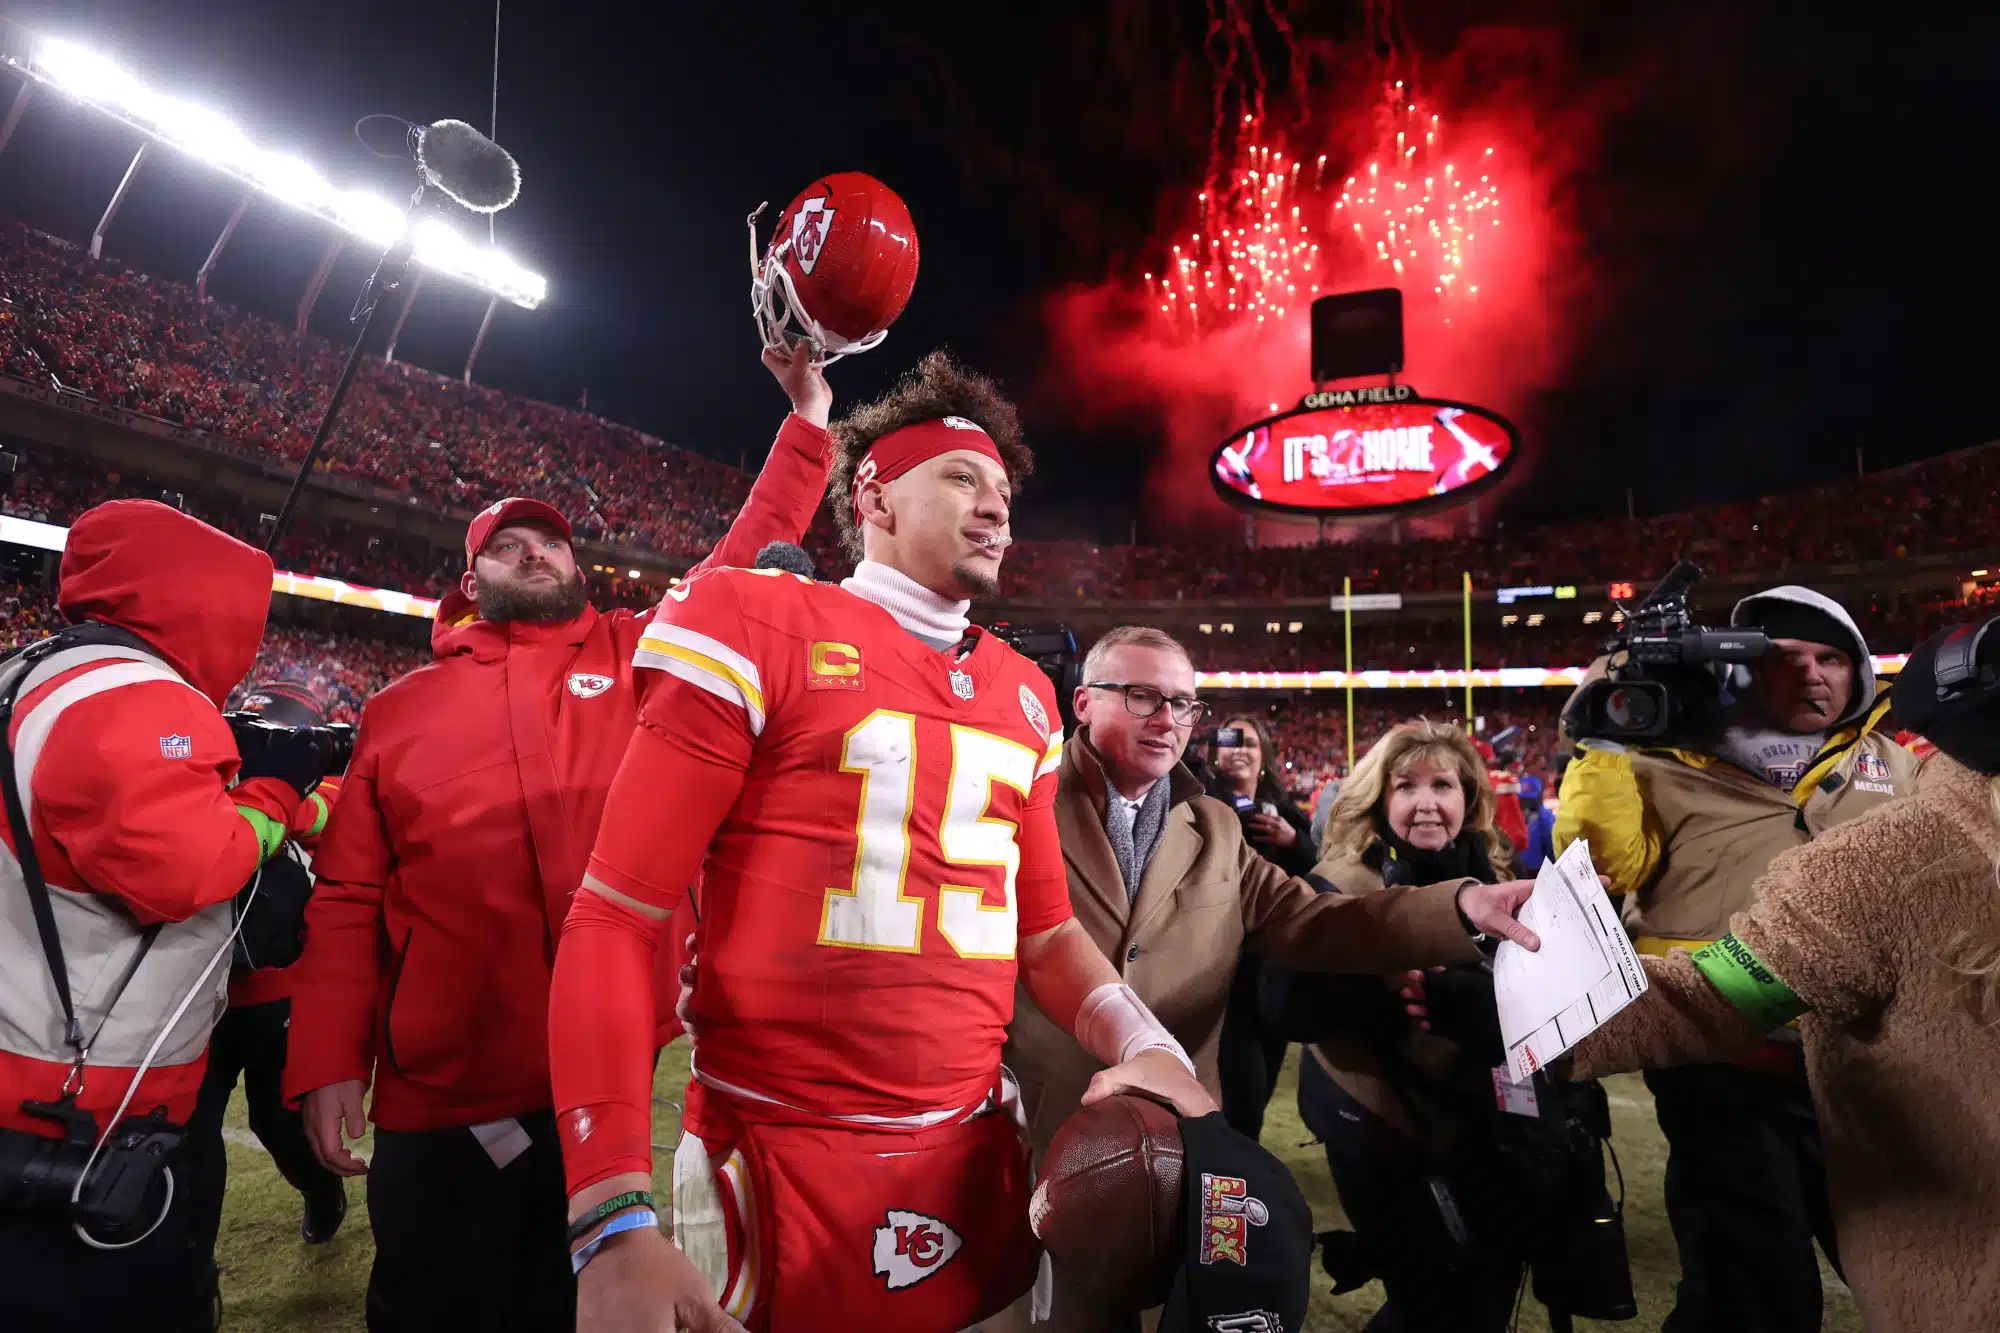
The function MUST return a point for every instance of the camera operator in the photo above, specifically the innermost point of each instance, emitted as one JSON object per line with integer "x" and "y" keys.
{"x": 1884, "y": 936}
{"x": 1685, "y": 828}
{"x": 116, "y": 921}
{"x": 1243, "y": 773}
{"x": 250, "y": 1039}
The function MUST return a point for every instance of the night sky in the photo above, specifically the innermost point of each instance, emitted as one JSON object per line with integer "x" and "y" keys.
{"x": 1779, "y": 249}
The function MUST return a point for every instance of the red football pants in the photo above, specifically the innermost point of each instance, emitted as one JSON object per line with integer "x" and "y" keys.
{"x": 802, "y": 1229}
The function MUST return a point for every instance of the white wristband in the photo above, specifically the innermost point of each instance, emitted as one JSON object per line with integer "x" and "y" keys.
{"x": 1114, "y": 1025}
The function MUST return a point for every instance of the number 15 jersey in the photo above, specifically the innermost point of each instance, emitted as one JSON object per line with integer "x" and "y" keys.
{"x": 893, "y": 838}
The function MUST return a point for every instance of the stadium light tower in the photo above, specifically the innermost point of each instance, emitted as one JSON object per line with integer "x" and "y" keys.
{"x": 208, "y": 137}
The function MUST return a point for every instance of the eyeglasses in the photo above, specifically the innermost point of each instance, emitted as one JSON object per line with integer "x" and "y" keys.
{"x": 1144, "y": 701}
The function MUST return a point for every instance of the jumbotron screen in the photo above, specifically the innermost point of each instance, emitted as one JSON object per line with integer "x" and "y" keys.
{"x": 1367, "y": 457}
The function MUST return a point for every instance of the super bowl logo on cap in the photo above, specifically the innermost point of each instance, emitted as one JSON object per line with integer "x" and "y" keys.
{"x": 909, "y": 1247}
{"x": 1228, "y": 1211}
{"x": 585, "y": 685}
{"x": 1871, "y": 766}
{"x": 809, "y": 228}
{"x": 1038, "y": 717}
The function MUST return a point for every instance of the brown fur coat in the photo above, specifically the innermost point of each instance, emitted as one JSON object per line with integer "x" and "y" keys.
{"x": 1864, "y": 924}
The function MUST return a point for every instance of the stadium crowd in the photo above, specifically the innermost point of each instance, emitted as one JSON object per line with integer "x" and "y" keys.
{"x": 252, "y": 387}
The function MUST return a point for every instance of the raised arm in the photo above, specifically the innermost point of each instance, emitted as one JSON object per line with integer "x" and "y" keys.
{"x": 792, "y": 482}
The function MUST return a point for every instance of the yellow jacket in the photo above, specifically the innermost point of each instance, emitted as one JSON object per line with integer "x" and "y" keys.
{"x": 1685, "y": 835}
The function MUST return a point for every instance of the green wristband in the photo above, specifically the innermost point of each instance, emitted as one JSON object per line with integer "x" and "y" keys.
{"x": 1748, "y": 984}
{"x": 617, "y": 1203}
{"x": 270, "y": 833}
{"x": 322, "y": 811}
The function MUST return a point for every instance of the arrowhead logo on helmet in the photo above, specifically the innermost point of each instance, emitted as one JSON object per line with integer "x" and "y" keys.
{"x": 809, "y": 227}
{"x": 839, "y": 269}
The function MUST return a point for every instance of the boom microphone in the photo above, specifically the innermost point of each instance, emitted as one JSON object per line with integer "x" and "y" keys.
{"x": 788, "y": 556}
{"x": 468, "y": 166}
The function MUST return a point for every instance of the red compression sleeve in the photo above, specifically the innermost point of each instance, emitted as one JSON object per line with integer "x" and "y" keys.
{"x": 1041, "y": 886}
{"x": 601, "y": 999}
{"x": 601, "y": 1039}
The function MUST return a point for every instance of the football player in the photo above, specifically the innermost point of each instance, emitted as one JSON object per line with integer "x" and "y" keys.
{"x": 870, "y": 778}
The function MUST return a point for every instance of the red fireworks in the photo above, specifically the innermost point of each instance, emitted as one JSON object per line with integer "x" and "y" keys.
{"x": 1415, "y": 212}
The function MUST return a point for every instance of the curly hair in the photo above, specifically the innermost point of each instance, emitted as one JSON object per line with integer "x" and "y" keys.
{"x": 937, "y": 387}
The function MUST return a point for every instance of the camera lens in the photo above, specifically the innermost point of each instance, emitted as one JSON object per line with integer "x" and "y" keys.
{"x": 1632, "y": 710}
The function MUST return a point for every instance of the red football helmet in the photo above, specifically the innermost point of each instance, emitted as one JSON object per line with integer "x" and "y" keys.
{"x": 840, "y": 265}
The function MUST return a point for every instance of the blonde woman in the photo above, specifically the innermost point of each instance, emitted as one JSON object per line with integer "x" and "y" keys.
{"x": 1883, "y": 937}
{"x": 1408, "y": 1117}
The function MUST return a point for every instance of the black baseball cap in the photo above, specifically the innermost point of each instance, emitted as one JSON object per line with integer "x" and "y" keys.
{"x": 1248, "y": 1238}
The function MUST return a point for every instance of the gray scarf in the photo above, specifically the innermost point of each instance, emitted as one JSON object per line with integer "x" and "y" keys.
{"x": 1136, "y": 836}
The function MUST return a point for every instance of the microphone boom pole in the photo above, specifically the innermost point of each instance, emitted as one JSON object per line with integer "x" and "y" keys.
{"x": 471, "y": 170}
{"x": 388, "y": 277}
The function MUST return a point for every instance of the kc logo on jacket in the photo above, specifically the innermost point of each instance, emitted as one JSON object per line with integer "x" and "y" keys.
{"x": 1228, "y": 1211}
{"x": 585, "y": 685}
{"x": 910, "y": 1247}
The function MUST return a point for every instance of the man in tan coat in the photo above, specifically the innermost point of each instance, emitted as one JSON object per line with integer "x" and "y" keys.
{"x": 1162, "y": 879}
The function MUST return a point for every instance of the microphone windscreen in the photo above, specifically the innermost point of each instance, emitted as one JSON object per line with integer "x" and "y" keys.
{"x": 788, "y": 556}
{"x": 468, "y": 166}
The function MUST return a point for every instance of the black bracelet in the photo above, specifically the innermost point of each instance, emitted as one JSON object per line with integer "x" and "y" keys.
{"x": 617, "y": 1203}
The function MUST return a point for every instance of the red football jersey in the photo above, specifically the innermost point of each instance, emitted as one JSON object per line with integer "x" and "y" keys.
{"x": 860, "y": 903}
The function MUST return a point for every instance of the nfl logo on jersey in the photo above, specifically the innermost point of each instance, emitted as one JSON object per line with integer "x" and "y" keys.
{"x": 1871, "y": 766}
{"x": 176, "y": 747}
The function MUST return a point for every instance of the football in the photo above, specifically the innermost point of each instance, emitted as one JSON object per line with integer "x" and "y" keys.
{"x": 1109, "y": 1199}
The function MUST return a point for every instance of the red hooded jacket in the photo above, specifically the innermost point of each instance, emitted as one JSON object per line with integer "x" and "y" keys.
{"x": 468, "y": 812}
{"x": 129, "y": 789}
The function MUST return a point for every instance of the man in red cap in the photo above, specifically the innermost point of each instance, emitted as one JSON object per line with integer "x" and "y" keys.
{"x": 471, "y": 803}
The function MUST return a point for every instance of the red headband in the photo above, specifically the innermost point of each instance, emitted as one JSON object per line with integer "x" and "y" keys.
{"x": 900, "y": 450}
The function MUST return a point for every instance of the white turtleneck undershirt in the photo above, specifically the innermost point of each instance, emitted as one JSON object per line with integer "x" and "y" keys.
{"x": 936, "y": 620}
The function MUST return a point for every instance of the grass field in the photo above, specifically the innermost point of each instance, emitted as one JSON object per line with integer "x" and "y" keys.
{"x": 272, "y": 1282}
